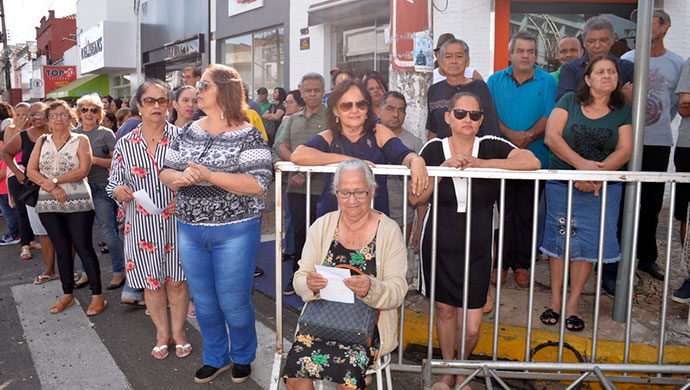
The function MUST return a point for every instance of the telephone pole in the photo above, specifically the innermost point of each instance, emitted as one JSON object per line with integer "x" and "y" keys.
{"x": 6, "y": 55}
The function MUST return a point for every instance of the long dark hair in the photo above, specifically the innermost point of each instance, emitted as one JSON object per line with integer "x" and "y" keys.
{"x": 281, "y": 95}
{"x": 334, "y": 99}
{"x": 177, "y": 94}
{"x": 583, "y": 94}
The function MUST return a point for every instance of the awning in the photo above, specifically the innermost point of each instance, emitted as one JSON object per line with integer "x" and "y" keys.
{"x": 97, "y": 83}
{"x": 338, "y": 11}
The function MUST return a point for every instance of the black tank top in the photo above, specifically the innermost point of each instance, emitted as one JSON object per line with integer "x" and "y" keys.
{"x": 27, "y": 147}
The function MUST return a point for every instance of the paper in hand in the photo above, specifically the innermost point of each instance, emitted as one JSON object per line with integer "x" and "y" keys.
{"x": 335, "y": 290}
{"x": 145, "y": 201}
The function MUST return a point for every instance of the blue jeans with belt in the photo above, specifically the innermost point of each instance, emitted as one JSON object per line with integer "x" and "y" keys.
{"x": 219, "y": 262}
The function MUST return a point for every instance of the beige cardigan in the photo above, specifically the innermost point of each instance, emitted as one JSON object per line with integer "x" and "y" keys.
{"x": 387, "y": 290}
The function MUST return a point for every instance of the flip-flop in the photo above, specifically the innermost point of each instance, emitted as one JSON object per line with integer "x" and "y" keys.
{"x": 186, "y": 350}
{"x": 42, "y": 278}
{"x": 26, "y": 254}
{"x": 158, "y": 350}
{"x": 35, "y": 246}
{"x": 139, "y": 304}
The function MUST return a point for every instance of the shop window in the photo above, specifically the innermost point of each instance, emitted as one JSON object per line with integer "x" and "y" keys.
{"x": 121, "y": 86}
{"x": 258, "y": 57}
{"x": 362, "y": 49}
{"x": 551, "y": 20}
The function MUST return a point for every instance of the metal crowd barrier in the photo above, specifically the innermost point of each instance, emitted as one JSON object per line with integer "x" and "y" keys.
{"x": 656, "y": 374}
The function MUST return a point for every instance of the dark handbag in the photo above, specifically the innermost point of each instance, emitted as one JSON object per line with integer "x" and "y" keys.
{"x": 347, "y": 323}
{"x": 29, "y": 193}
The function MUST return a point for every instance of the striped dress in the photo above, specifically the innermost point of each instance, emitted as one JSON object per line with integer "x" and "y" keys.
{"x": 150, "y": 249}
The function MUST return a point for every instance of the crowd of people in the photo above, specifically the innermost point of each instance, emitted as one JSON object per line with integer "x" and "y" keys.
{"x": 184, "y": 174}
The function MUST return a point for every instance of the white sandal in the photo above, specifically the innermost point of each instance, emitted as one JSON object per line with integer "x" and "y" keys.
{"x": 186, "y": 350}
{"x": 160, "y": 349}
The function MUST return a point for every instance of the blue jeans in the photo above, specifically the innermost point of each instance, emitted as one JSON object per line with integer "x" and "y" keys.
{"x": 219, "y": 262}
{"x": 289, "y": 240}
{"x": 10, "y": 214}
{"x": 106, "y": 216}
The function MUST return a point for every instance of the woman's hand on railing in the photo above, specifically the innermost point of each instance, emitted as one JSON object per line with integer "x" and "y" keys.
{"x": 418, "y": 175}
{"x": 316, "y": 282}
{"x": 589, "y": 165}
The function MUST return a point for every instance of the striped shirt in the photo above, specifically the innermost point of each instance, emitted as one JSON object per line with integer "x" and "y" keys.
{"x": 150, "y": 239}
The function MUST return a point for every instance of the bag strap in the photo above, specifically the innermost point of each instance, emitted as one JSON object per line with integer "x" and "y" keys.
{"x": 350, "y": 267}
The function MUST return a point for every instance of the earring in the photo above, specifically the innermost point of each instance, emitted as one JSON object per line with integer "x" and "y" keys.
{"x": 221, "y": 115}
{"x": 337, "y": 119}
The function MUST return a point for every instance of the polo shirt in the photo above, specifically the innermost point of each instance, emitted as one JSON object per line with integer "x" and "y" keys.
{"x": 573, "y": 73}
{"x": 300, "y": 129}
{"x": 437, "y": 105}
{"x": 519, "y": 107}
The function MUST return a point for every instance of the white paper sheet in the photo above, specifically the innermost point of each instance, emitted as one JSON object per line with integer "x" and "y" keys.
{"x": 145, "y": 201}
{"x": 335, "y": 290}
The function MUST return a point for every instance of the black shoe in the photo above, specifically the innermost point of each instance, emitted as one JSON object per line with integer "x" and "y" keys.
{"x": 81, "y": 285}
{"x": 241, "y": 372}
{"x": 609, "y": 286}
{"x": 682, "y": 295}
{"x": 208, "y": 373}
{"x": 654, "y": 270}
{"x": 258, "y": 271}
{"x": 289, "y": 289}
{"x": 105, "y": 250}
{"x": 113, "y": 286}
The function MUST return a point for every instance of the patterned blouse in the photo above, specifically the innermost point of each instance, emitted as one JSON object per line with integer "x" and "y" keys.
{"x": 241, "y": 151}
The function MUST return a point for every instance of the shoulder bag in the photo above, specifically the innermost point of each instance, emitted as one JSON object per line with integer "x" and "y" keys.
{"x": 29, "y": 193}
{"x": 347, "y": 323}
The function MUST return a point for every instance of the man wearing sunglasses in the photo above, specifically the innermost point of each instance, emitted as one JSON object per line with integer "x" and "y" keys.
{"x": 524, "y": 96}
{"x": 300, "y": 128}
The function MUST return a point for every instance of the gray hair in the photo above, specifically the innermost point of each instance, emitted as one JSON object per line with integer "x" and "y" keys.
{"x": 597, "y": 23}
{"x": 354, "y": 165}
{"x": 22, "y": 105}
{"x": 525, "y": 36}
{"x": 313, "y": 76}
{"x": 455, "y": 41}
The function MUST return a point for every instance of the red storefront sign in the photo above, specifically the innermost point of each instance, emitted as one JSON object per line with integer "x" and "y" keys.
{"x": 55, "y": 77}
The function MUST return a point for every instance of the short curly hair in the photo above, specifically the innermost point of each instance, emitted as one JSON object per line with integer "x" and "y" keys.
{"x": 91, "y": 99}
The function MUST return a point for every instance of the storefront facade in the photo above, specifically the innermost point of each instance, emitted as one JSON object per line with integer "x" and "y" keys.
{"x": 252, "y": 37}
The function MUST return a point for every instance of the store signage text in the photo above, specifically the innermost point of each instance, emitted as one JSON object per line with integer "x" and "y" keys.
{"x": 92, "y": 48}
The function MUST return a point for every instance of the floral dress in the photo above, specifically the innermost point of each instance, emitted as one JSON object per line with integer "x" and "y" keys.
{"x": 151, "y": 256}
{"x": 314, "y": 358}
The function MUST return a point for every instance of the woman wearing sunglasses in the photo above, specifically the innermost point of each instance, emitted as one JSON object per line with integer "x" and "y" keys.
{"x": 221, "y": 168}
{"x": 463, "y": 150}
{"x": 89, "y": 114}
{"x": 151, "y": 229}
{"x": 354, "y": 134}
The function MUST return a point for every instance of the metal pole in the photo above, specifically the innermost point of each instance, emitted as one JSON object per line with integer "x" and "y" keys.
{"x": 6, "y": 52}
{"x": 643, "y": 45}
{"x": 137, "y": 25}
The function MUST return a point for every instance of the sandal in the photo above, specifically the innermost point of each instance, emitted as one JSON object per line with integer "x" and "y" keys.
{"x": 574, "y": 323}
{"x": 26, "y": 253}
{"x": 96, "y": 308}
{"x": 549, "y": 317}
{"x": 35, "y": 246}
{"x": 42, "y": 278}
{"x": 139, "y": 304}
{"x": 182, "y": 351}
{"x": 156, "y": 352}
{"x": 61, "y": 305}
{"x": 191, "y": 310}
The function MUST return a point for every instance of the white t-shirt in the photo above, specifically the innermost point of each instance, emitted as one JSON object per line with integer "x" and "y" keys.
{"x": 662, "y": 101}
{"x": 684, "y": 87}
{"x": 439, "y": 77}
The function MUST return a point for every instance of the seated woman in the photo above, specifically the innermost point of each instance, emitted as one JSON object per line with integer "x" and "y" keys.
{"x": 588, "y": 130}
{"x": 364, "y": 238}
{"x": 463, "y": 150}
{"x": 354, "y": 134}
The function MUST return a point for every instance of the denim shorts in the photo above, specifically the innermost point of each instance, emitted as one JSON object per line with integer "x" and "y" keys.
{"x": 586, "y": 212}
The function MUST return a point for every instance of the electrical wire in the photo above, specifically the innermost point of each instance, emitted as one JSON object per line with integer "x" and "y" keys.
{"x": 438, "y": 9}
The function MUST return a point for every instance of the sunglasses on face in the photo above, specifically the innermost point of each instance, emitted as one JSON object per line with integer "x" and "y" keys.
{"x": 150, "y": 101}
{"x": 203, "y": 85}
{"x": 347, "y": 106}
{"x": 474, "y": 115}
{"x": 94, "y": 110}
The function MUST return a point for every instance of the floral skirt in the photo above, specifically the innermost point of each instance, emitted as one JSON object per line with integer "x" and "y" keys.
{"x": 331, "y": 361}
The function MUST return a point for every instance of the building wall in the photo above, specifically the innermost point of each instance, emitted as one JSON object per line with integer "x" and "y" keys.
{"x": 318, "y": 58}
{"x": 677, "y": 36}
{"x": 166, "y": 21}
{"x": 91, "y": 12}
{"x": 55, "y": 35}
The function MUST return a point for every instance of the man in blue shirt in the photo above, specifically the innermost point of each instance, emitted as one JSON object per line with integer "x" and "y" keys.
{"x": 598, "y": 40}
{"x": 524, "y": 96}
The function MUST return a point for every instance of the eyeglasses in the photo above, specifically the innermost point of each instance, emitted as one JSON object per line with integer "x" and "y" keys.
{"x": 474, "y": 115}
{"x": 359, "y": 194}
{"x": 94, "y": 110}
{"x": 347, "y": 106}
{"x": 150, "y": 101}
{"x": 203, "y": 85}
{"x": 64, "y": 115}
{"x": 33, "y": 114}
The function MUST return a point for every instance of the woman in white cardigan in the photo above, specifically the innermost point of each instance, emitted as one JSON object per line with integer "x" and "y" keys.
{"x": 358, "y": 236}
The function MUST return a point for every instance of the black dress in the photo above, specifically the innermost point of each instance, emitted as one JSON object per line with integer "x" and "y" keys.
{"x": 450, "y": 263}
{"x": 314, "y": 358}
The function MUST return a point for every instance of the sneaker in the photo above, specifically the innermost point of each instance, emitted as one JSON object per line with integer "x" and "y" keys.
{"x": 682, "y": 295}
{"x": 289, "y": 289}
{"x": 609, "y": 286}
{"x": 258, "y": 271}
{"x": 7, "y": 240}
{"x": 208, "y": 373}
{"x": 241, "y": 372}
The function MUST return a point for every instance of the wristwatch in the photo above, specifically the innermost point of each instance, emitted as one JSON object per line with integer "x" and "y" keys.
{"x": 54, "y": 180}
